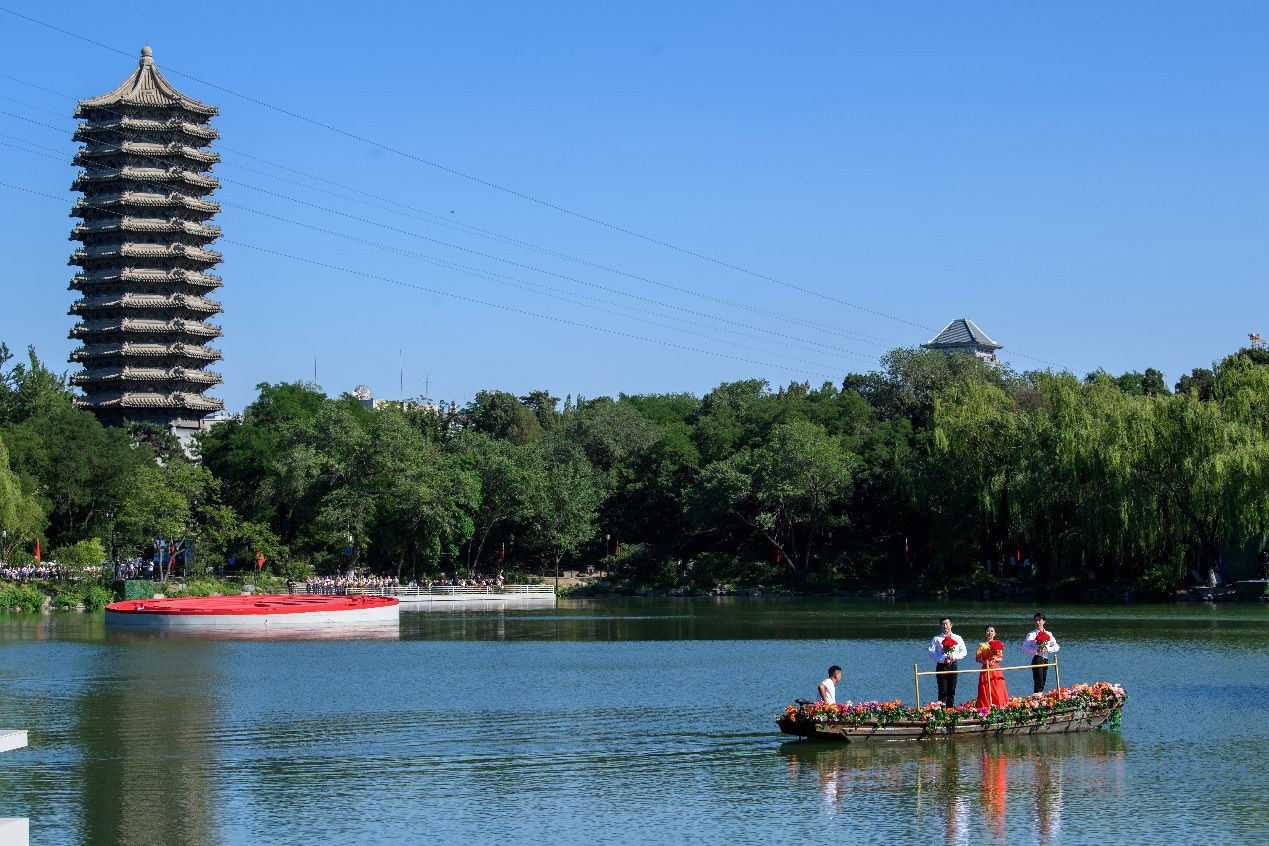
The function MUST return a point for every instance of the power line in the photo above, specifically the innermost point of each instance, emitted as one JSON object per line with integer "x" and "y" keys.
{"x": 480, "y": 181}
{"x": 481, "y": 273}
{"x": 460, "y": 297}
{"x": 470, "y": 229}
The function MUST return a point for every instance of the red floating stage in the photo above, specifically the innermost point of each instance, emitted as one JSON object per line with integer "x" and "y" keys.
{"x": 260, "y": 614}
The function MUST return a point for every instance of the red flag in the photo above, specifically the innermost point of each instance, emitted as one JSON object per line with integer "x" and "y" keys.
{"x": 37, "y": 550}
{"x": 1019, "y": 558}
{"x": 616, "y": 548}
{"x": 778, "y": 556}
{"x": 259, "y": 560}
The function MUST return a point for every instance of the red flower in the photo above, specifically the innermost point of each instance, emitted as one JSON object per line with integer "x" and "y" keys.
{"x": 949, "y": 643}
{"x": 996, "y": 645}
{"x": 1042, "y": 637}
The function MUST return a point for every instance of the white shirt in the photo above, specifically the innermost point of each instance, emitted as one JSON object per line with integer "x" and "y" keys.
{"x": 1030, "y": 647}
{"x": 830, "y": 692}
{"x": 936, "y": 648}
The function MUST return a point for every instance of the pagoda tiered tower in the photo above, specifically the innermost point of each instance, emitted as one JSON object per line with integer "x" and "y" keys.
{"x": 145, "y": 230}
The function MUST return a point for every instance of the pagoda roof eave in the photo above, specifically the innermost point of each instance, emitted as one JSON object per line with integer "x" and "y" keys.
{"x": 145, "y": 86}
{"x": 132, "y": 349}
{"x": 177, "y": 400}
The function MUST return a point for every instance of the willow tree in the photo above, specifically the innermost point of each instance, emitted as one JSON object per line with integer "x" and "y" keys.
{"x": 992, "y": 480}
{"x": 1163, "y": 479}
{"x": 20, "y": 514}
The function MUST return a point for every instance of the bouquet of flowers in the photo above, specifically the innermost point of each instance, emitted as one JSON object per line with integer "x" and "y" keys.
{"x": 992, "y": 650}
{"x": 949, "y": 647}
{"x": 1042, "y": 641}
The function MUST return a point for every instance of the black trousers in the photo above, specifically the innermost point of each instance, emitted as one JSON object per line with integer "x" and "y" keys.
{"x": 1040, "y": 675}
{"x": 947, "y": 683}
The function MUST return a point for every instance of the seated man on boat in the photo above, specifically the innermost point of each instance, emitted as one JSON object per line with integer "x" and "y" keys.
{"x": 991, "y": 682}
{"x": 947, "y": 648}
{"x": 828, "y": 687}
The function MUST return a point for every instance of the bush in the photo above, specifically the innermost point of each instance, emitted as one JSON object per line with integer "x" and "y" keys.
{"x": 86, "y": 553}
{"x": 1159, "y": 581}
{"x": 96, "y": 597}
{"x": 200, "y": 587}
{"x": 67, "y": 599}
{"x": 297, "y": 570}
{"x": 23, "y": 598}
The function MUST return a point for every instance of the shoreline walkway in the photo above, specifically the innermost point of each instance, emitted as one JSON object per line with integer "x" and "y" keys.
{"x": 417, "y": 597}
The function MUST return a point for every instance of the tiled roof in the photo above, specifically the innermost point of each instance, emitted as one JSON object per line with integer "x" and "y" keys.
{"x": 147, "y": 374}
{"x": 143, "y": 174}
{"x": 144, "y": 350}
{"x": 145, "y": 224}
{"x": 146, "y": 87}
{"x": 961, "y": 333}
{"x": 145, "y": 326}
{"x": 86, "y": 130}
{"x": 144, "y": 198}
{"x": 115, "y": 276}
{"x": 164, "y": 302}
{"x": 145, "y": 251}
{"x": 177, "y": 399}
{"x": 148, "y": 149}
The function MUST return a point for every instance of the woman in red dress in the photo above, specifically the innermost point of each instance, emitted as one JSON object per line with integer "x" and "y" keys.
{"x": 991, "y": 682}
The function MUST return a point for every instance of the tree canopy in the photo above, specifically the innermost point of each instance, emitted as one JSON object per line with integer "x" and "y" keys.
{"x": 933, "y": 468}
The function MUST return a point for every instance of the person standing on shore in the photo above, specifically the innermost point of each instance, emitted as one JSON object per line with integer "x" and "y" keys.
{"x": 828, "y": 687}
{"x": 946, "y": 648}
{"x": 1041, "y": 645}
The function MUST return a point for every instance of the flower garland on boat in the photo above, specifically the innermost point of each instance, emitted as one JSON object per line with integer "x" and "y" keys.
{"x": 937, "y": 717}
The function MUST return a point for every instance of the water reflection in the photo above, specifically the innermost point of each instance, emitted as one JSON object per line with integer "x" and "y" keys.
{"x": 147, "y": 732}
{"x": 971, "y": 789}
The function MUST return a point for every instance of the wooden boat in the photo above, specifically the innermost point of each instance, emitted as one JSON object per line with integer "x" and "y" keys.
{"x": 1072, "y": 709}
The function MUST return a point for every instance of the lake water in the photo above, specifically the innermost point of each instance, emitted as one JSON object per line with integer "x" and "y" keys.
{"x": 624, "y": 721}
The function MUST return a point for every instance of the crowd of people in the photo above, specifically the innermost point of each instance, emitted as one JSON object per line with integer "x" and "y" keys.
{"x": 51, "y": 571}
{"x": 356, "y": 584}
{"x": 947, "y": 649}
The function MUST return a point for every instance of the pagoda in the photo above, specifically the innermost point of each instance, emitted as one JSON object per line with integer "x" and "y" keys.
{"x": 963, "y": 335}
{"x": 144, "y": 260}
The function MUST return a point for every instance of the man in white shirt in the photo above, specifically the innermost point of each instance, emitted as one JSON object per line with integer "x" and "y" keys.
{"x": 946, "y": 649}
{"x": 828, "y": 687}
{"x": 1041, "y": 646}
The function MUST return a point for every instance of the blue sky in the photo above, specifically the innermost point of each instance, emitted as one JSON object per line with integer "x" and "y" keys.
{"x": 1086, "y": 181}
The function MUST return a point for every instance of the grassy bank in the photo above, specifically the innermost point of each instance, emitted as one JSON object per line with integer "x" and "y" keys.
{"x": 91, "y": 595}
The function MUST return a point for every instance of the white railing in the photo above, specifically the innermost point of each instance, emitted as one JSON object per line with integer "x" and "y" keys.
{"x": 434, "y": 590}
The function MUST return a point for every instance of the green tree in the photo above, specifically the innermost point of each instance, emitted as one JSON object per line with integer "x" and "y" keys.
{"x": 506, "y": 474}
{"x": 1199, "y": 381}
{"x": 543, "y": 406}
{"x": 564, "y": 501}
{"x": 786, "y": 490}
{"x": 1153, "y": 384}
{"x": 501, "y": 415}
{"x": 20, "y": 514}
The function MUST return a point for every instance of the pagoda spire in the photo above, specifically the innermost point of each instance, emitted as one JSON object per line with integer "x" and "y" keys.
{"x": 145, "y": 260}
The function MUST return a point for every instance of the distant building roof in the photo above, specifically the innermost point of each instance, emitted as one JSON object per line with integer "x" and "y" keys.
{"x": 961, "y": 334}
